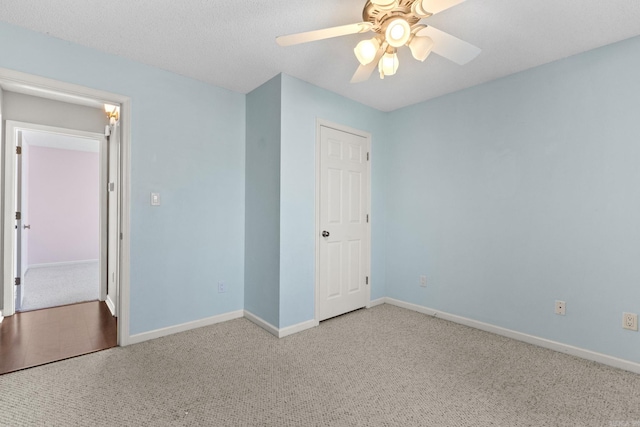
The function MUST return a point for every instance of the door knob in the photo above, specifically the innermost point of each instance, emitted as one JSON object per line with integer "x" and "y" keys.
{"x": 325, "y": 234}
{"x": 26, "y": 226}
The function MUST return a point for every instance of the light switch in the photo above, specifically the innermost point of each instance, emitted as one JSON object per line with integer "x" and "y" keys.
{"x": 155, "y": 199}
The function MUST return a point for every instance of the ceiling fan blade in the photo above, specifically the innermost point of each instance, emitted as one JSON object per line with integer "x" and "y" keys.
{"x": 450, "y": 47}
{"x": 327, "y": 33}
{"x": 364, "y": 71}
{"x": 437, "y": 6}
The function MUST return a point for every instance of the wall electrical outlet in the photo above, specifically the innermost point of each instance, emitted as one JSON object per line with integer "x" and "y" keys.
{"x": 630, "y": 321}
{"x": 561, "y": 308}
{"x": 423, "y": 281}
{"x": 222, "y": 287}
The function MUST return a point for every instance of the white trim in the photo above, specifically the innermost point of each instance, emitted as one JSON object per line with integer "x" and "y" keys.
{"x": 110, "y": 305}
{"x": 262, "y": 323}
{"x": 42, "y": 87}
{"x": 627, "y": 365}
{"x": 280, "y": 333}
{"x": 294, "y": 329}
{"x": 59, "y": 264}
{"x": 163, "y": 332}
{"x": 125, "y": 222}
{"x": 319, "y": 124}
{"x": 49, "y": 88}
{"x": 1, "y": 316}
{"x": 377, "y": 302}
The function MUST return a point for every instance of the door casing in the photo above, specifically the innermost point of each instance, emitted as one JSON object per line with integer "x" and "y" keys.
{"x": 319, "y": 124}
{"x": 53, "y": 89}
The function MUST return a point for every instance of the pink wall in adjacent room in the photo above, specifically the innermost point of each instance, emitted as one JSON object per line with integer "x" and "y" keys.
{"x": 63, "y": 205}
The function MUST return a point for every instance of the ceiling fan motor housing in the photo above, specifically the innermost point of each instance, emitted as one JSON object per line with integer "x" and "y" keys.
{"x": 380, "y": 17}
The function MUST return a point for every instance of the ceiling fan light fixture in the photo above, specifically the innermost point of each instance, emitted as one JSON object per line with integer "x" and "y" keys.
{"x": 398, "y": 32}
{"x": 421, "y": 47}
{"x": 388, "y": 64}
{"x": 366, "y": 50}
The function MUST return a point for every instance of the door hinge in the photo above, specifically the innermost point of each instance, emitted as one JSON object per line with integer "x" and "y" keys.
{"x": 367, "y": 218}
{"x": 120, "y": 236}
{"x": 18, "y": 150}
{"x": 367, "y": 280}
{"x": 367, "y": 156}
{"x": 17, "y": 281}
{"x": 18, "y": 216}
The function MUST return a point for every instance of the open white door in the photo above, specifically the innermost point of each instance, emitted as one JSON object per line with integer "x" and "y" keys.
{"x": 343, "y": 220}
{"x": 11, "y": 224}
{"x": 113, "y": 198}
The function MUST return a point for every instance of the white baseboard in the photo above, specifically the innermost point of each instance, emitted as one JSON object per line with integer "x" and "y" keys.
{"x": 158, "y": 333}
{"x": 58, "y": 264}
{"x": 111, "y": 305}
{"x": 376, "y": 302}
{"x": 262, "y": 323}
{"x": 294, "y": 329}
{"x": 280, "y": 333}
{"x": 627, "y": 365}
{"x": 1, "y": 317}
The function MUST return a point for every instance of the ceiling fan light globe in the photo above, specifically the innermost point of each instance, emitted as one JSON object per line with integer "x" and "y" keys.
{"x": 388, "y": 64}
{"x": 421, "y": 47}
{"x": 398, "y": 32}
{"x": 366, "y": 50}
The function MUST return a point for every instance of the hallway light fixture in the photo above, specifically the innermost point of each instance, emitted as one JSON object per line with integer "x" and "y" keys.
{"x": 113, "y": 113}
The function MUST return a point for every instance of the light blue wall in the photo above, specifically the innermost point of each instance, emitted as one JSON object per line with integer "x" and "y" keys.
{"x": 188, "y": 144}
{"x": 525, "y": 190}
{"x": 262, "y": 201}
{"x": 302, "y": 105}
{"x": 508, "y": 195}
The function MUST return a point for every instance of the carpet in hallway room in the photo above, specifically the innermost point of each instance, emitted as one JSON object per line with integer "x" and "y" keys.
{"x": 61, "y": 285}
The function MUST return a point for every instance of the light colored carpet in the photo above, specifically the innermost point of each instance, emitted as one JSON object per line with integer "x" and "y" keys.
{"x": 60, "y": 285}
{"x": 385, "y": 366}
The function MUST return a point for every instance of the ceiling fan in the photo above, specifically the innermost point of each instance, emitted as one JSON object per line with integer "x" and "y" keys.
{"x": 396, "y": 23}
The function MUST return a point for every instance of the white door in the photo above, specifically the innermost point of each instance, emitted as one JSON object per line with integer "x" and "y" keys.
{"x": 343, "y": 222}
{"x": 113, "y": 203}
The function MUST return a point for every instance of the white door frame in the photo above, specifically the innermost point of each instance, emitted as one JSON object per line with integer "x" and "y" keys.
{"x": 11, "y": 132}
{"x": 54, "y": 89}
{"x": 325, "y": 123}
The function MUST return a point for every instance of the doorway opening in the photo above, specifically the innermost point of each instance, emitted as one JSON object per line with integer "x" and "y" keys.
{"x": 58, "y": 240}
{"x": 115, "y": 188}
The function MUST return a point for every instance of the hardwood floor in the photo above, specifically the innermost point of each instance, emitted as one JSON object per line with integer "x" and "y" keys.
{"x": 42, "y": 336}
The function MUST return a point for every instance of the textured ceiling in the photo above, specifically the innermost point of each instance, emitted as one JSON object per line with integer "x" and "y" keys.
{"x": 232, "y": 44}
